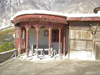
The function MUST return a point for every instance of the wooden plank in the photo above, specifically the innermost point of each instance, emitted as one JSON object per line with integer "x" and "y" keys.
{"x": 80, "y": 34}
{"x": 80, "y": 45}
{"x": 82, "y": 39}
{"x": 97, "y": 36}
{"x": 81, "y": 50}
{"x": 97, "y": 50}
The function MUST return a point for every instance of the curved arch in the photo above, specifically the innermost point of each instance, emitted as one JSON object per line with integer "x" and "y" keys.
{"x": 23, "y": 37}
{"x": 55, "y": 27}
{"x": 42, "y": 27}
{"x": 23, "y": 28}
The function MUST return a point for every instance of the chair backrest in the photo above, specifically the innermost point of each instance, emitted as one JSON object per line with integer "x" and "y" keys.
{"x": 42, "y": 46}
{"x": 33, "y": 46}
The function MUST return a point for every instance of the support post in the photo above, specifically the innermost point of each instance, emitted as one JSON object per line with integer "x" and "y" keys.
{"x": 37, "y": 40}
{"x": 27, "y": 51}
{"x": 49, "y": 52}
{"x": 64, "y": 41}
{"x": 60, "y": 42}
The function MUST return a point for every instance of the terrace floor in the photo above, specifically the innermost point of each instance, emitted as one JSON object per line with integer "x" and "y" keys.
{"x": 22, "y": 66}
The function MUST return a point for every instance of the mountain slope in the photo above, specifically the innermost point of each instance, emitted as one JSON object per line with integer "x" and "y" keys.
{"x": 82, "y": 6}
{"x": 9, "y": 7}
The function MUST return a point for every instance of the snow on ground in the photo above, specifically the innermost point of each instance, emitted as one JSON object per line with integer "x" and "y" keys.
{"x": 42, "y": 58}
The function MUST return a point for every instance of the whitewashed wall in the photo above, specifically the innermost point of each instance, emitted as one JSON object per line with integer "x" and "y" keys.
{"x": 43, "y": 40}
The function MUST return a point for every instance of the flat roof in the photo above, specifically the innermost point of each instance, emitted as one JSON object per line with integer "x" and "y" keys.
{"x": 83, "y": 15}
{"x": 50, "y": 67}
{"x": 38, "y": 12}
{"x": 53, "y": 13}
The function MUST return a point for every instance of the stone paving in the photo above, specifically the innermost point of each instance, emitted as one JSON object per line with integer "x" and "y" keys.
{"x": 50, "y": 67}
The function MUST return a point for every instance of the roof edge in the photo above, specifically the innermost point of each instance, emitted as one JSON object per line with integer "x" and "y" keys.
{"x": 38, "y": 12}
{"x": 53, "y": 13}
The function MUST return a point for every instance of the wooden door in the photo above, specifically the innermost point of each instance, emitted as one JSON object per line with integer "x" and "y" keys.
{"x": 97, "y": 49}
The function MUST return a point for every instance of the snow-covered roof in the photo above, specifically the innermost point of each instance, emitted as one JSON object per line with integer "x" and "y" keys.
{"x": 54, "y": 13}
{"x": 99, "y": 12}
{"x": 83, "y": 15}
{"x": 38, "y": 12}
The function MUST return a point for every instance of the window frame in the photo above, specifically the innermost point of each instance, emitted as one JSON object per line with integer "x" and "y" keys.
{"x": 57, "y": 38}
{"x": 47, "y": 33}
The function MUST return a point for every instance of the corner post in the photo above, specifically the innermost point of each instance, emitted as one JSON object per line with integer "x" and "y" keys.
{"x": 64, "y": 41}
{"x": 37, "y": 40}
{"x": 27, "y": 50}
{"x": 60, "y": 42}
{"x": 49, "y": 52}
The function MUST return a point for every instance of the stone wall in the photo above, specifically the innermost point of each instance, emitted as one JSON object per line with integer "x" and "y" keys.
{"x": 7, "y": 54}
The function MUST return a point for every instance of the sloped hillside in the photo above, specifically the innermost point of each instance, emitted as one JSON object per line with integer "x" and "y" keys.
{"x": 81, "y": 6}
{"x": 9, "y": 7}
{"x": 7, "y": 40}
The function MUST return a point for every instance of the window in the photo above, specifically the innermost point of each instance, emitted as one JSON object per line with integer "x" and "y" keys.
{"x": 55, "y": 35}
{"x": 45, "y": 32}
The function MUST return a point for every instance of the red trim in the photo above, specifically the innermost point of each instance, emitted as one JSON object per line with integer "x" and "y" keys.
{"x": 83, "y": 19}
{"x": 46, "y": 31}
{"x": 49, "y": 43}
{"x": 59, "y": 41}
{"x": 57, "y": 38}
{"x": 39, "y": 17}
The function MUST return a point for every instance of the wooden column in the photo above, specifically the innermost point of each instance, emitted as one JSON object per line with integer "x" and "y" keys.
{"x": 27, "y": 51}
{"x": 37, "y": 40}
{"x": 59, "y": 41}
{"x": 64, "y": 41}
{"x": 49, "y": 52}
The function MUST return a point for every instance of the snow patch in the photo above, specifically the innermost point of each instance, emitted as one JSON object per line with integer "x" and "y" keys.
{"x": 99, "y": 12}
{"x": 40, "y": 58}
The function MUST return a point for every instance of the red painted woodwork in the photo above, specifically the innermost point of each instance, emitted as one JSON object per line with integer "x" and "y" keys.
{"x": 59, "y": 41}
{"x": 27, "y": 51}
{"x": 24, "y": 22}
{"x": 64, "y": 41}
{"x": 40, "y": 17}
{"x": 55, "y": 35}
{"x": 83, "y": 19}
{"x": 37, "y": 40}
{"x": 49, "y": 41}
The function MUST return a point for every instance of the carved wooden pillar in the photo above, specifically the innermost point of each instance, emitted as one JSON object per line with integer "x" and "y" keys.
{"x": 59, "y": 41}
{"x": 37, "y": 40}
{"x": 49, "y": 52}
{"x": 64, "y": 41}
{"x": 27, "y": 50}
